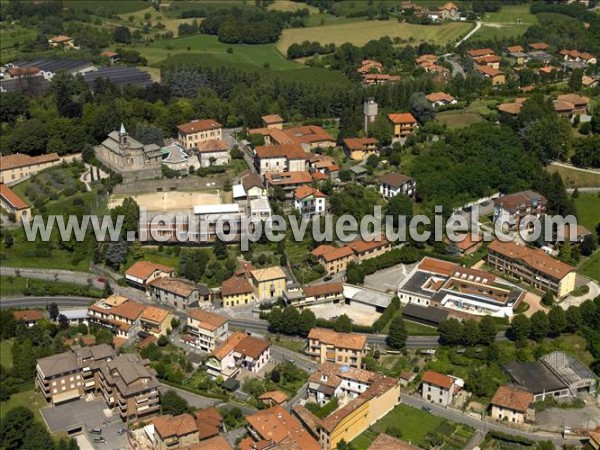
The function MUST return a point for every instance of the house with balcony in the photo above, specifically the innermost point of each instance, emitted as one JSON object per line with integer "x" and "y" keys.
{"x": 316, "y": 294}
{"x": 511, "y": 209}
{"x": 360, "y": 148}
{"x": 180, "y": 293}
{"x": 156, "y": 321}
{"x": 280, "y": 158}
{"x": 70, "y": 375}
{"x": 395, "y": 183}
{"x": 439, "y": 388}
{"x": 269, "y": 283}
{"x": 346, "y": 349}
{"x": 175, "y": 432}
{"x": 143, "y": 272}
{"x": 119, "y": 314}
{"x": 403, "y": 124}
{"x": 206, "y": 329}
{"x": 128, "y": 384}
{"x": 239, "y": 351}
{"x": 309, "y": 201}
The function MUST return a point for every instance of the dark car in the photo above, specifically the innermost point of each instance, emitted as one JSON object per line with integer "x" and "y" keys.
{"x": 426, "y": 409}
{"x": 328, "y": 278}
{"x": 96, "y": 431}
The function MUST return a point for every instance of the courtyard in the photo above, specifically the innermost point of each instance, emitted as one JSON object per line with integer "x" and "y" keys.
{"x": 358, "y": 316}
{"x": 387, "y": 280}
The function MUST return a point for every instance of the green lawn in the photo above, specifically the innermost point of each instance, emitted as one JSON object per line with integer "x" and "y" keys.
{"x": 591, "y": 266}
{"x": 415, "y": 426}
{"x": 576, "y": 178}
{"x": 361, "y": 32}
{"x": 458, "y": 118}
{"x": 588, "y": 210}
{"x": 30, "y": 399}
{"x": 418, "y": 329}
{"x": 511, "y": 14}
{"x": 16, "y": 286}
{"x": 6, "y": 353}
{"x": 105, "y": 7}
{"x": 11, "y": 37}
{"x": 500, "y": 31}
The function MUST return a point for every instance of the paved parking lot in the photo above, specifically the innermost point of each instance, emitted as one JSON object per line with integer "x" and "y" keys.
{"x": 387, "y": 280}
{"x": 359, "y": 316}
{"x": 86, "y": 415}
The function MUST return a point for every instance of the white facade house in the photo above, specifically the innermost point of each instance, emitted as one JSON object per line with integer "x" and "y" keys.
{"x": 206, "y": 329}
{"x": 396, "y": 183}
{"x": 438, "y": 388}
{"x": 309, "y": 201}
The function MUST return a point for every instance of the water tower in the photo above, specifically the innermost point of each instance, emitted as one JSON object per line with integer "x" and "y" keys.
{"x": 369, "y": 111}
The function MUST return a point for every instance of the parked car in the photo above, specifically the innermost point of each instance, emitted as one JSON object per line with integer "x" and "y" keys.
{"x": 96, "y": 430}
{"x": 328, "y": 278}
{"x": 99, "y": 440}
{"x": 426, "y": 409}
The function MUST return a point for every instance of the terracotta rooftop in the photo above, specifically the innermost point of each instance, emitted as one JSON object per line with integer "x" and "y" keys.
{"x": 214, "y": 443}
{"x": 351, "y": 341}
{"x": 489, "y": 71}
{"x": 10, "y": 197}
{"x": 289, "y": 151}
{"x": 60, "y": 38}
{"x": 28, "y": 315}
{"x": 515, "y": 49}
{"x": 177, "y": 286}
{"x": 196, "y": 126}
{"x": 155, "y": 314}
{"x": 360, "y": 246}
{"x": 577, "y": 100}
{"x": 20, "y": 160}
{"x": 272, "y": 119}
{"x": 235, "y": 286}
{"x": 144, "y": 269}
{"x": 437, "y": 379}
{"x": 207, "y": 320}
{"x": 387, "y": 442}
{"x": 168, "y": 425}
{"x": 209, "y": 422}
{"x": 338, "y": 253}
{"x": 229, "y": 345}
{"x": 359, "y": 143}
{"x": 395, "y": 179}
{"x": 308, "y": 134}
{"x": 401, "y": 118}
{"x": 510, "y": 108}
{"x": 305, "y": 191}
{"x": 538, "y": 46}
{"x": 276, "y": 424}
{"x": 478, "y": 52}
{"x": 276, "y": 396}
{"x": 512, "y": 398}
{"x": 268, "y": 274}
{"x": 288, "y": 178}
{"x": 212, "y": 145}
{"x": 440, "y": 97}
{"x": 322, "y": 249}
{"x": 439, "y": 266}
{"x": 488, "y": 59}
{"x": 252, "y": 347}
{"x": 130, "y": 310}
{"x": 323, "y": 289}
{"x": 512, "y": 202}
{"x": 534, "y": 258}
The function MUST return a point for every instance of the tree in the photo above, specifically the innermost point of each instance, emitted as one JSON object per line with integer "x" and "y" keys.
{"x": 354, "y": 273}
{"x": 14, "y": 427}
{"x": 487, "y": 330}
{"x": 381, "y": 129}
{"x": 275, "y": 376}
{"x": 220, "y": 249}
{"x": 372, "y": 161}
{"x": 588, "y": 245}
{"x": 397, "y": 334}
{"x": 400, "y": 206}
{"x": 173, "y": 404}
{"x": 107, "y": 291}
{"x": 192, "y": 264}
{"x": 540, "y": 325}
{"x": 343, "y": 324}
{"x": 548, "y": 298}
{"x": 24, "y": 360}
{"x": 557, "y": 319}
{"x": 306, "y": 322}
{"x": 53, "y": 311}
{"x": 343, "y": 445}
{"x": 37, "y": 437}
{"x": 421, "y": 108}
{"x": 565, "y": 254}
{"x": 290, "y": 320}
{"x": 573, "y": 319}
{"x": 450, "y": 332}
{"x": 520, "y": 328}
{"x": 122, "y": 35}
{"x": 470, "y": 333}
{"x": 63, "y": 322}
{"x": 575, "y": 81}
{"x": 9, "y": 240}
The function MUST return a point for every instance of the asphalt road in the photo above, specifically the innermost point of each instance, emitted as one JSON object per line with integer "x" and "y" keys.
{"x": 482, "y": 425}
{"x": 41, "y": 302}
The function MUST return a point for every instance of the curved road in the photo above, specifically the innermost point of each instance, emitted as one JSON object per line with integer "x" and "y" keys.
{"x": 250, "y": 324}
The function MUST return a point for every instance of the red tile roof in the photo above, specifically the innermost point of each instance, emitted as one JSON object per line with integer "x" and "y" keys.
{"x": 196, "y": 126}
{"x": 272, "y": 119}
{"x": 20, "y": 160}
{"x": 512, "y": 398}
{"x": 437, "y": 379}
{"x": 489, "y": 71}
{"x": 308, "y": 134}
{"x": 235, "y": 286}
{"x": 289, "y": 151}
{"x": 440, "y": 97}
{"x": 401, "y": 118}
{"x": 208, "y": 320}
{"x": 323, "y": 289}
{"x": 351, "y": 341}
{"x": 28, "y": 315}
{"x": 169, "y": 425}
{"x": 144, "y": 269}
{"x": 478, "y": 52}
{"x": 305, "y": 191}
{"x": 538, "y": 46}
{"x": 11, "y": 198}
{"x": 359, "y": 143}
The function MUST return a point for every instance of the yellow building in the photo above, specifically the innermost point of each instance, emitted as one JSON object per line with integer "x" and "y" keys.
{"x": 347, "y": 349}
{"x": 236, "y": 291}
{"x": 12, "y": 203}
{"x": 14, "y": 168}
{"x": 360, "y": 148}
{"x": 61, "y": 42}
{"x": 404, "y": 124}
{"x": 268, "y": 283}
{"x": 156, "y": 321}
{"x": 197, "y": 131}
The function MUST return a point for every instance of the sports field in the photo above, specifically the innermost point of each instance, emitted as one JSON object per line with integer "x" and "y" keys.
{"x": 359, "y": 33}
{"x": 170, "y": 201}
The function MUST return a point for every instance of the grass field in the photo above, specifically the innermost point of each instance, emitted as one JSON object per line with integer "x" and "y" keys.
{"x": 11, "y": 36}
{"x": 591, "y": 266}
{"x": 500, "y": 31}
{"x": 6, "y": 353}
{"x": 458, "y": 118}
{"x": 361, "y": 32}
{"x": 511, "y": 14}
{"x": 415, "y": 425}
{"x": 576, "y": 178}
{"x": 30, "y": 399}
{"x": 107, "y": 6}
{"x": 588, "y": 210}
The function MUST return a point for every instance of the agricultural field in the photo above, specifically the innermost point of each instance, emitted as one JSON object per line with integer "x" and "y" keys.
{"x": 12, "y": 37}
{"x": 510, "y": 21}
{"x": 588, "y": 210}
{"x": 106, "y": 7}
{"x": 459, "y": 118}
{"x": 417, "y": 427}
{"x": 591, "y": 266}
{"x": 6, "y": 353}
{"x": 361, "y": 32}
{"x": 500, "y": 31}
{"x": 576, "y": 178}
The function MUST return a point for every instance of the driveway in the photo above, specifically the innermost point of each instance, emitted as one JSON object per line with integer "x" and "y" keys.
{"x": 572, "y": 300}
{"x": 81, "y": 416}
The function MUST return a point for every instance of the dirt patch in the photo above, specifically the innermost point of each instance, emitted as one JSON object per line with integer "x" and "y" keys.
{"x": 358, "y": 316}
{"x": 170, "y": 201}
